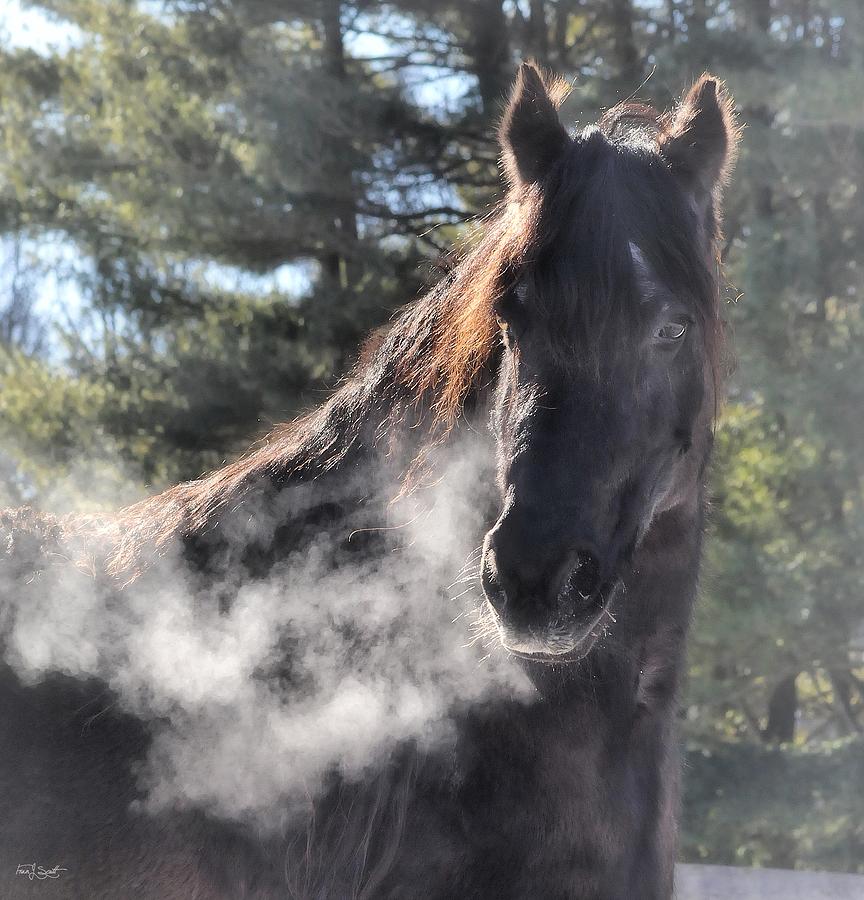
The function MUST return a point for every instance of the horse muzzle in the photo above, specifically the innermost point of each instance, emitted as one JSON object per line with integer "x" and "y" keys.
{"x": 560, "y": 624}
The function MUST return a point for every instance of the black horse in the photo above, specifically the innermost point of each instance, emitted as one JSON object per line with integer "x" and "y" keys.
{"x": 587, "y": 318}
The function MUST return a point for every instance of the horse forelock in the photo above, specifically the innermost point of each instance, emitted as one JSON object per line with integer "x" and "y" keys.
{"x": 613, "y": 191}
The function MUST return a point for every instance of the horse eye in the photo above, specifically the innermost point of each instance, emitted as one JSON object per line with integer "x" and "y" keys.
{"x": 672, "y": 331}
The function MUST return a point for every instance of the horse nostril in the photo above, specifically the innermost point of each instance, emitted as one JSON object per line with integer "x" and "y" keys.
{"x": 585, "y": 577}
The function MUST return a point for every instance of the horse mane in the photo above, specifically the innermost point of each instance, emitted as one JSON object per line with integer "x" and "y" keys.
{"x": 404, "y": 395}
{"x": 413, "y": 377}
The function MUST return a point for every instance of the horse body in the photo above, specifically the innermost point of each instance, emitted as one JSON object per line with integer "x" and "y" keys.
{"x": 551, "y": 799}
{"x": 589, "y": 571}
{"x": 574, "y": 795}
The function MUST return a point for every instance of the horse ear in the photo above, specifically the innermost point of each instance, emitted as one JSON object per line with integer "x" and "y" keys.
{"x": 531, "y": 135}
{"x": 701, "y": 139}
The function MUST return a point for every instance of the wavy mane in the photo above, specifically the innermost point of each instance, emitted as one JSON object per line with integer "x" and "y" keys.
{"x": 406, "y": 393}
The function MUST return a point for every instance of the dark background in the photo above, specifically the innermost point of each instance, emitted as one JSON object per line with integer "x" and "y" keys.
{"x": 204, "y": 206}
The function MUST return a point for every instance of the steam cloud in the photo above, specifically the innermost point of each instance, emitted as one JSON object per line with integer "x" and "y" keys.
{"x": 310, "y": 669}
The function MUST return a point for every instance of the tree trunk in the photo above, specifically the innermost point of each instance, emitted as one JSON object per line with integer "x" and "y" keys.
{"x": 697, "y": 29}
{"x": 761, "y": 14}
{"x": 537, "y": 42}
{"x": 625, "y": 56}
{"x": 336, "y": 262}
{"x": 782, "y": 708}
{"x": 490, "y": 54}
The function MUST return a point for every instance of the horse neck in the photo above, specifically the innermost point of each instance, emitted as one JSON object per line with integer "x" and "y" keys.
{"x": 633, "y": 672}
